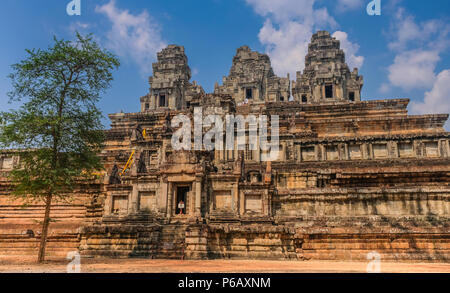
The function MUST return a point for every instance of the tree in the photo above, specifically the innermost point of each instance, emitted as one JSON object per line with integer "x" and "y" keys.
{"x": 58, "y": 128}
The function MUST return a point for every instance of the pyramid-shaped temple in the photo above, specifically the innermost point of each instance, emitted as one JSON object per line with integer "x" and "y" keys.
{"x": 350, "y": 175}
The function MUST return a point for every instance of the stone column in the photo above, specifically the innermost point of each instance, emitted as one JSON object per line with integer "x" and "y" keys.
{"x": 108, "y": 204}
{"x": 370, "y": 155}
{"x": 358, "y": 96}
{"x": 319, "y": 92}
{"x": 365, "y": 151}
{"x": 447, "y": 147}
{"x": 162, "y": 197}
{"x": 198, "y": 197}
{"x": 241, "y": 203}
{"x": 393, "y": 149}
{"x": 153, "y": 102}
{"x": 257, "y": 152}
{"x": 211, "y": 202}
{"x": 443, "y": 148}
{"x": 316, "y": 153}
{"x": 190, "y": 202}
{"x": 341, "y": 151}
{"x": 266, "y": 210}
{"x": 419, "y": 149}
{"x": 236, "y": 152}
{"x": 322, "y": 149}
{"x": 346, "y": 153}
{"x": 169, "y": 199}
{"x": 216, "y": 156}
{"x": 339, "y": 92}
{"x": 257, "y": 95}
{"x": 108, "y": 201}
{"x": 282, "y": 153}
{"x": 172, "y": 102}
{"x": 235, "y": 198}
{"x": 133, "y": 203}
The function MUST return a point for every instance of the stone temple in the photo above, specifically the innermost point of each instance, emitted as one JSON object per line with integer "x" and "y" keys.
{"x": 352, "y": 175}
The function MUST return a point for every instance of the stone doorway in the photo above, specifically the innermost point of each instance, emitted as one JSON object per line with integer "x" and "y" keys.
{"x": 181, "y": 197}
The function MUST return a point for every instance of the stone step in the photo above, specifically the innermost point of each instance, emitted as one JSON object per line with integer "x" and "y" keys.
{"x": 171, "y": 242}
{"x": 107, "y": 253}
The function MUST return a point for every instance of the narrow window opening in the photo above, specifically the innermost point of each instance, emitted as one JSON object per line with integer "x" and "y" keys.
{"x": 329, "y": 91}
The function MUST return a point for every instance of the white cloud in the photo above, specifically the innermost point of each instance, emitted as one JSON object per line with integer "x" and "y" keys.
{"x": 417, "y": 46}
{"x": 284, "y": 10}
{"x": 436, "y": 100}
{"x": 350, "y": 50}
{"x": 80, "y": 27}
{"x": 406, "y": 31}
{"x": 287, "y": 30}
{"x": 287, "y": 46}
{"x": 414, "y": 69}
{"x": 136, "y": 37}
{"x": 75, "y": 26}
{"x": 385, "y": 88}
{"x": 345, "y": 5}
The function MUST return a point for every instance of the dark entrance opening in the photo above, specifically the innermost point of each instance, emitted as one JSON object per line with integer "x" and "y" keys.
{"x": 249, "y": 94}
{"x": 181, "y": 200}
{"x": 304, "y": 99}
{"x": 162, "y": 100}
{"x": 329, "y": 91}
{"x": 351, "y": 96}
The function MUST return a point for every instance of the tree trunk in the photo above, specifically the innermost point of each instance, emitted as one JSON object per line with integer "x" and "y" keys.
{"x": 48, "y": 203}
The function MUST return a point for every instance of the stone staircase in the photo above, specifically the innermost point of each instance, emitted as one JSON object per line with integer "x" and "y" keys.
{"x": 172, "y": 242}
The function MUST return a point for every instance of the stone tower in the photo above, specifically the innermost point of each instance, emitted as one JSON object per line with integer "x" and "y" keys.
{"x": 169, "y": 85}
{"x": 251, "y": 78}
{"x": 326, "y": 77}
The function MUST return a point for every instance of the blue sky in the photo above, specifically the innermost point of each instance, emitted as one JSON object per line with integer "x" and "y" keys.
{"x": 402, "y": 53}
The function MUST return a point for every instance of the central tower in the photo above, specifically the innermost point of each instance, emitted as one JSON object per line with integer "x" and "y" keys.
{"x": 252, "y": 79}
{"x": 326, "y": 77}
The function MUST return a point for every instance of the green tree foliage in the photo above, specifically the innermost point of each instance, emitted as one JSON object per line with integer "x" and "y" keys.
{"x": 58, "y": 128}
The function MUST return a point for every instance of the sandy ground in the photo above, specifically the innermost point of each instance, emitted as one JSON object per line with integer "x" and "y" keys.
{"x": 28, "y": 265}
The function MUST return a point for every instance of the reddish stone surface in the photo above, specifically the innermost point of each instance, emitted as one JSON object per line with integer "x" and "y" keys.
{"x": 28, "y": 265}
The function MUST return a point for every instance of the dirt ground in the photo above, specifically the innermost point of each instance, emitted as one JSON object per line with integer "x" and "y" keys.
{"x": 28, "y": 265}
